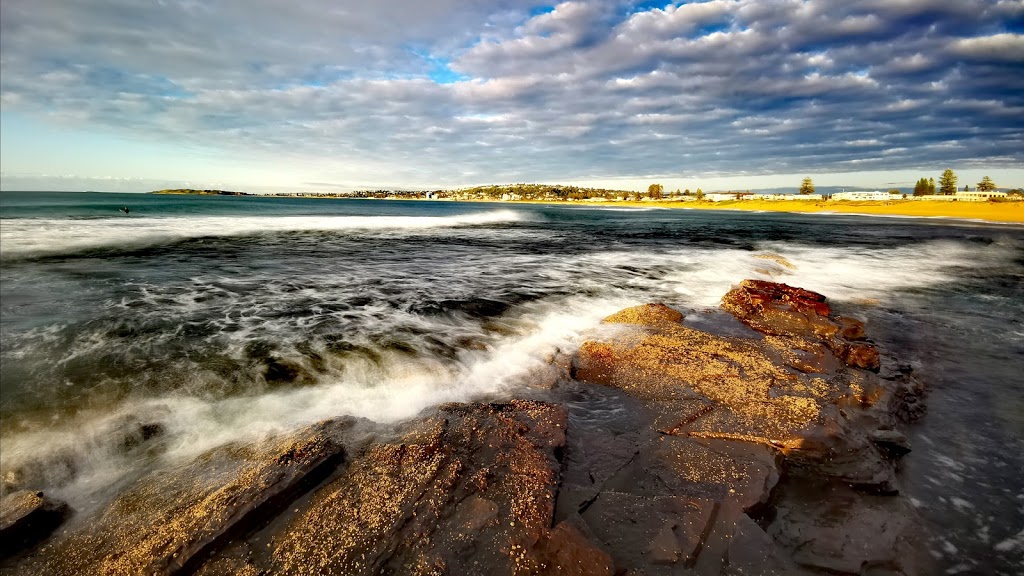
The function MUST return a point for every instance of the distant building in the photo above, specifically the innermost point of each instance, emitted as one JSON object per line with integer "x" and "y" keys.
{"x": 863, "y": 195}
{"x": 727, "y": 196}
{"x": 773, "y": 197}
{"x": 962, "y": 196}
{"x": 978, "y": 196}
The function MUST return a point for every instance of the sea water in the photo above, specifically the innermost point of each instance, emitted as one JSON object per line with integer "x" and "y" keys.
{"x": 233, "y": 318}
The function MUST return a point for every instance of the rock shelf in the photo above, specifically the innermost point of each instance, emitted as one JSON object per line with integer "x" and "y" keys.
{"x": 662, "y": 449}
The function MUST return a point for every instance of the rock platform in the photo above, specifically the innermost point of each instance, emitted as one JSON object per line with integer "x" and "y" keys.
{"x": 662, "y": 449}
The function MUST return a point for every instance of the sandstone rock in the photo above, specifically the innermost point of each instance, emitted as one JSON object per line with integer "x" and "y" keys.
{"x": 469, "y": 491}
{"x": 170, "y": 521}
{"x": 646, "y": 315}
{"x": 851, "y": 328}
{"x": 846, "y": 533}
{"x": 651, "y": 534}
{"x": 780, "y": 309}
{"x": 858, "y": 355}
{"x": 751, "y": 552}
{"x": 729, "y": 410}
{"x": 567, "y": 550}
{"x": 26, "y": 518}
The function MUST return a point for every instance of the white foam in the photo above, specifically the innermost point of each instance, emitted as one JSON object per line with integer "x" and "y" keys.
{"x": 58, "y": 236}
{"x": 396, "y": 388}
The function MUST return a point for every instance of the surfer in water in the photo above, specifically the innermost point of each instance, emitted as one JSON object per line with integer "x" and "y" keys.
{"x": 124, "y": 209}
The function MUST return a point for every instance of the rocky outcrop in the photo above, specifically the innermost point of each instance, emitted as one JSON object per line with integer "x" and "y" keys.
{"x": 469, "y": 491}
{"x": 660, "y": 450}
{"x": 782, "y": 310}
{"x": 170, "y": 521}
{"x": 731, "y": 420}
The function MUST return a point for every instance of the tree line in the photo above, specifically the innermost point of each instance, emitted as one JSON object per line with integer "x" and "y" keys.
{"x": 948, "y": 185}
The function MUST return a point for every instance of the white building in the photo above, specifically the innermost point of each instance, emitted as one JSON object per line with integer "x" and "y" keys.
{"x": 865, "y": 195}
{"x": 727, "y": 196}
{"x": 977, "y": 196}
{"x": 788, "y": 197}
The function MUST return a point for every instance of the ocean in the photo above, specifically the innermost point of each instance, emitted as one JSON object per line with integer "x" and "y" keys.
{"x": 232, "y": 318}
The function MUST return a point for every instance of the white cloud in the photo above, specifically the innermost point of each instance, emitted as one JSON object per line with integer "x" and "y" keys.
{"x": 343, "y": 91}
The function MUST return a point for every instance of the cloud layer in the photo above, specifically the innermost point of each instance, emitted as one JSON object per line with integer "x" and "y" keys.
{"x": 452, "y": 92}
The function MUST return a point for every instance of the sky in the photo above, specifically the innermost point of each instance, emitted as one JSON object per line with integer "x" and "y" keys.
{"x": 317, "y": 95}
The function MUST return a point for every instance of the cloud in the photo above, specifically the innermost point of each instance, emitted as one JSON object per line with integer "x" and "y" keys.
{"x": 447, "y": 92}
{"x": 999, "y": 47}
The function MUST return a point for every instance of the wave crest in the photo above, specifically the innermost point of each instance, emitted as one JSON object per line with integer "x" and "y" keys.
{"x": 33, "y": 237}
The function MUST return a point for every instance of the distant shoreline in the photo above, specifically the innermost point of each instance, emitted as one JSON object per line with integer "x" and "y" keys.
{"x": 989, "y": 211}
{"x": 1005, "y": 212}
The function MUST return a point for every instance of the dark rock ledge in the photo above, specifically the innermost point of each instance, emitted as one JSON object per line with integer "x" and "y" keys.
{"x": 664, "y": 450}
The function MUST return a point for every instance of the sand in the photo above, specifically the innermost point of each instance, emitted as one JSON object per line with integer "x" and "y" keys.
{"x": 989, "y": 211}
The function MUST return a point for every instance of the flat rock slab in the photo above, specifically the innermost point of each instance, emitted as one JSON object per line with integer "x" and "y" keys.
{"x": 469, "y": 491}
{"x": 651, "y": 534}
{"x": 844, "y": 532}
{"x": 171, "y": 520}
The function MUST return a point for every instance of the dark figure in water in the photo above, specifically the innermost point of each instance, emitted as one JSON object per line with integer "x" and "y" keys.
{"x": 125, "y": 210}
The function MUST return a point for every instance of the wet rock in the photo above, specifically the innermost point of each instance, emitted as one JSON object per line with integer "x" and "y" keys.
{"x": 752, "y": 552}
{"x": 26, "y": 518}
{"x": 646, "y": 315}
{"x": 851, "y": 328}
{"x": 780, "y": 309}
{"x": 651, "y": 534}
{"x": 891, "y": 442}
{"x": 738, "y": 417}
{"x": 568, "y": 550}
{"x": 858, "y": 355}
{"x": 846, "y": 533}
{"x": 171, "y": 520}
{"x": 468, "y": 491}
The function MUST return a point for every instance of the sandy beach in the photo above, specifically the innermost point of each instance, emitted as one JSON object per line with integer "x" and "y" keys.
{"x": 989, "y": 211}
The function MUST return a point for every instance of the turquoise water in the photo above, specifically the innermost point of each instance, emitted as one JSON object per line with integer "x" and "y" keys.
{"x": 225, "y": 318}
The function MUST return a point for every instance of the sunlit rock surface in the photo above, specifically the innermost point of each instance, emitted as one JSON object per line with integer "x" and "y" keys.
{"x": 168, "y": 521}
{"x": 733, "y": 419}
{"x": 470, "y": 491}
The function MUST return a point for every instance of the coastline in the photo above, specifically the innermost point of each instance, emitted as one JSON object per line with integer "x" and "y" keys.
{"x": 996, "y": 212}
{"x": 1002, "y": 212}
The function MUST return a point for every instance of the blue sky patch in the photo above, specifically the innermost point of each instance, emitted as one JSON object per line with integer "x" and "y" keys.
{"x": 440, "y": 68}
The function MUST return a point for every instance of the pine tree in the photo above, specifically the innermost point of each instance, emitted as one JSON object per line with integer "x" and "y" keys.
{"x": 986, "y": 185}
{"x": 700, "y": 194}
{"x": 947, "y": 183}
{"x": 931, "y": 185}
{"x": 807, "y": 187}
{"x": 921, "y": 188}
